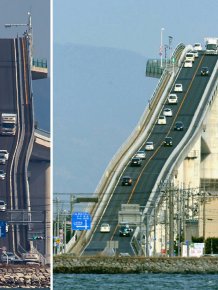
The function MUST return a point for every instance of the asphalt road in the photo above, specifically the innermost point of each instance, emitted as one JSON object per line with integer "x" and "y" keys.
{"x": 145, "y": 176}
{"x": 8, "y": 104}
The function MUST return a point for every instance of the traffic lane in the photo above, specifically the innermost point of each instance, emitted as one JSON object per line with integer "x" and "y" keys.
{"x": 7, "y": 76}
{"x": 160, "y": 161}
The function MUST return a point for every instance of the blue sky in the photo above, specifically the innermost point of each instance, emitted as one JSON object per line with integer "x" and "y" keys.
{"x": 16, "y": 12}
{"x": 134, "y": 24}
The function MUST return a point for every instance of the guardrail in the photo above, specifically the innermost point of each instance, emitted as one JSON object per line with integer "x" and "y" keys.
{"x": 40, "y": 63}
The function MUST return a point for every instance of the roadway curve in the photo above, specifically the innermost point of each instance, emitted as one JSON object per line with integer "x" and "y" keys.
{"x": 15, "y": 97}
{"x": 144, "y": 177}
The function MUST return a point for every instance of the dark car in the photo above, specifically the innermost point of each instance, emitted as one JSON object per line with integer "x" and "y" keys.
{"x": 168, "y": 141}
{"x": 124, "y": 232}
{"x": 205, "y": 71}
{"x": 136, "y": 161}
{"x": 126, "y": 180}
{"x": 179, "y": 126}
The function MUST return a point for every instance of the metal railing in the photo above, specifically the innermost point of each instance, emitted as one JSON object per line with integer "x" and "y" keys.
{"x": 42, "y": 63}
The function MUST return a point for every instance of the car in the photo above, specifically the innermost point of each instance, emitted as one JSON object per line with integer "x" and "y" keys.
{"x": 124, "y": 232}
{"x": 188, "y": 63}
{"x": 162, "y": 120}
{"x": 195, "y": 52}
{"x": 2, "y": 159}
{"x": 205, "y": 71}
{"x": 140, "y": 154}
{"x": 126, "y": 180}
{"x": 2, "y": 205}
{"x": 2, "y": 174}
{"x": 168, "y": 141}
{"x": 8, "y": 256}
{"x": 167, "y": 112}
{"x": 149, "y": 146}
{"x": 5, "y": 152}
{"x": 190, "y": 56}
{"x": 197, "y": 46}
{"x": 172, "y": 99}
{"x": 178, "y": 88}
{"x": 136, "y": 161}
{"x": 179, "y": 126}
{"x": 105, "y": 228}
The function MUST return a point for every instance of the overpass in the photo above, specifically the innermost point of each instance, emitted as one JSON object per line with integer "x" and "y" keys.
{"x": 25, "y": 207}
{"x": 172, "y": 182}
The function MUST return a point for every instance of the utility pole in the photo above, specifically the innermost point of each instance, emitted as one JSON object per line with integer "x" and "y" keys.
{"x": 166, "y": 221}
{"x": 155, "y": 232}
{"x": 147, "y": 235}
{"x": 204, "y": 219}
{"x": 171, "y": 222}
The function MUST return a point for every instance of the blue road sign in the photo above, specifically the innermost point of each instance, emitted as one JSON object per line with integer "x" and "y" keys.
{"x": 81, "y": 221}
{"x": 2, "y": 229}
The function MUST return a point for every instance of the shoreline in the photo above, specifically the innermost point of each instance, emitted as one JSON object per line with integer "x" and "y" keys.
{"x": 126, "y": 265}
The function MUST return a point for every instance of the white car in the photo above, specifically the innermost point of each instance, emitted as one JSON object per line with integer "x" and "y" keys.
{"x": 178, "y": 88}
{"x": 162, "y": 120}
{"x": 2, "y": 205}
{"x": 197, "y": 46}
{"x": 188, "y": 63}
{"x": 149, "y": 146}
{"x": 105, "y": 228}
{"x": 5, "y": 152}
{"x": 140, "y": 154}
{"x": 190, "y": 56}
{"x": 2, "y": 174}
{"x": 167, "y": 112}
{"x": 172, "y": 99}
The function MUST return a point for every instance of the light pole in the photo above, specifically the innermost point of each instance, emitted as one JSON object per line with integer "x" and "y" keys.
{"x": 161, "y": 47}
{"x": 170, "y": 45}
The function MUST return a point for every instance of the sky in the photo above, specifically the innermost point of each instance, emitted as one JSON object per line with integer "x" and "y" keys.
{"x": 131, "y": 25}
{"x": 134, "y": 24}
{"x": 16, "y": 12}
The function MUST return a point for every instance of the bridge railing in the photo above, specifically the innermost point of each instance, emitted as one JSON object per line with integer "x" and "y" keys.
{"x": 42, "y": 63}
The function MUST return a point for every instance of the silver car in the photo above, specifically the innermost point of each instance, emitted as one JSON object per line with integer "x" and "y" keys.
{"x": 2, "y": 205}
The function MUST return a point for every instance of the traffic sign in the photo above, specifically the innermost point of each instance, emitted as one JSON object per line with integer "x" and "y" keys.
{"x": 2, "y": 229}
{"x": 81, "y": 221}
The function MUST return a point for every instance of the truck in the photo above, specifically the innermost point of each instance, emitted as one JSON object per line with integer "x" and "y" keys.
{"x": 8, "y": 123}
{"x": 211, "y": 44}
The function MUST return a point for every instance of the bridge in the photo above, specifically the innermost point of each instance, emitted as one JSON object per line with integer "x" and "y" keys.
{"x": 26, "y": 187}
{"x": 176, "y": 186}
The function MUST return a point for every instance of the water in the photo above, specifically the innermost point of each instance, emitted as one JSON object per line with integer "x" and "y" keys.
{"x": 135, "y": 281}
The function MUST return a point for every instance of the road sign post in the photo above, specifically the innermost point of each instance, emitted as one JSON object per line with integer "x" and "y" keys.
{"x": 2, "y": 229}
{"x": 81, "y": 221}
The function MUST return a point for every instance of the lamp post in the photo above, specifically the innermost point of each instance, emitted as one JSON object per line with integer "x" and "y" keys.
{"x": 161, "y": 47}
{"x": 170, "y": 45}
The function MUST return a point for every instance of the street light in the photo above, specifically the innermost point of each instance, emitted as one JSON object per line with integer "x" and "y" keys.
{"x": 161, "y": 47}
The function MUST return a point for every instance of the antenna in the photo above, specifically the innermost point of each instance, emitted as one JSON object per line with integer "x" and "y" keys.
{"x": 29, "y": 32}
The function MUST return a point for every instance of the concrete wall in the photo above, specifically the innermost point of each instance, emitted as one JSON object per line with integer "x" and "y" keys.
{"x": 209, "y": 164}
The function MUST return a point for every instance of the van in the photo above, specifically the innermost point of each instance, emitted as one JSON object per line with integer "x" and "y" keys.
{"x": 190, "y": 56}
